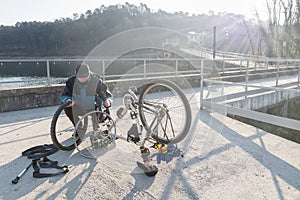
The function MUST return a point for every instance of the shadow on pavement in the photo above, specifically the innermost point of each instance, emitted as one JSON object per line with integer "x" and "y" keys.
{"x": 46, "y": 188}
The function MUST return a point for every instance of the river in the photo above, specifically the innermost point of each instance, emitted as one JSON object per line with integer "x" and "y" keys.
{"x": 22, "y": 81}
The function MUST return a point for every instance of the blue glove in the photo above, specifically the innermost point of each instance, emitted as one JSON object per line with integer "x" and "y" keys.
{"x": 159, "y": 158}
{"x": 166, "y": 156}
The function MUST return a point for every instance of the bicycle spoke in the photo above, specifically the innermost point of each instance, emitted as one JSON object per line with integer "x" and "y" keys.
{"x": 165, "y": 96}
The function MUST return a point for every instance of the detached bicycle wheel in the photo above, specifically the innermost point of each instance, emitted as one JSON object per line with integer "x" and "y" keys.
{"x": 62, "y": 130}
{"x": 99, "y": 135}
{"x": 165, "y": 111}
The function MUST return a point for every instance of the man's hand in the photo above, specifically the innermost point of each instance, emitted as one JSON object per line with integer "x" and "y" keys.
{"x": 106, "y": 103}
{"x": 71, "y": 104}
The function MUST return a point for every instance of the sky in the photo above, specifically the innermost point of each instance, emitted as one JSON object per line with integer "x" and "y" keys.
{"x": 14, "y": 11}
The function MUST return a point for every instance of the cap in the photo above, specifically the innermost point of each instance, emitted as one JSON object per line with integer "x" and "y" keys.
{"x": 82, "y": 70}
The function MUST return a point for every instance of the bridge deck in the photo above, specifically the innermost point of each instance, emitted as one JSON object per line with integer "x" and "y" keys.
{"x": 225, "y": 159}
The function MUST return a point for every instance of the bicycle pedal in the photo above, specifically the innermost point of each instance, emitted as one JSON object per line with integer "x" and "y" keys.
{"x": 121, "y": 112}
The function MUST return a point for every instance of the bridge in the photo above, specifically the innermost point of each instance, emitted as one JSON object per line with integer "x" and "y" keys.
{"x": 224, "y": 158}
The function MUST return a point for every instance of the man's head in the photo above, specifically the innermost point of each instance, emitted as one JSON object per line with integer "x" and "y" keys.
{"x": 82, "y": 72}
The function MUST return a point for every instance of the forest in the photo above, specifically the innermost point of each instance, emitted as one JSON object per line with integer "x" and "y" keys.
{"x": 77, "y": 36}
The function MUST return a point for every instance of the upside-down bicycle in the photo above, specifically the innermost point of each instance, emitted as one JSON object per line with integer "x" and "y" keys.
{"x": 161, "y": 116}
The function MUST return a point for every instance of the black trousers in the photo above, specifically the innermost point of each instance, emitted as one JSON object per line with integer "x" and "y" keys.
{"x": 76, "y": 110}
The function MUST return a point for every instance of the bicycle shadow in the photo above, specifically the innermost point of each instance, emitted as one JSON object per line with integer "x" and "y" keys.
{"x": 181, "y": 175}
{"x": 259, "y": 153}
{"x": 73, "y": 184}
{"x": 179, "y": 165}
{"x": 266, "y": 159}
{"x": 46, "y": 188}
{"x": 141, "y": 184}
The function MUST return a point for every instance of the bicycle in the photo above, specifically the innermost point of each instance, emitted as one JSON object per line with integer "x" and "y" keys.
{"x": 161, "y": 115}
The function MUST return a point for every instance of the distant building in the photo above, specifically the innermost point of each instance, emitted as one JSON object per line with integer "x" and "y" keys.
{"x": 194, "y": 38}
{"x": 174, "y": 42}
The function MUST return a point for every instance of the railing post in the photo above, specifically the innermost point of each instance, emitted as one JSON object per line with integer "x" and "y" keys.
{"x": 103, "y": 69}
{"x": 176, "y": 67}
{"x": 145, "y": 70}
{"x": 223, "y": 65}
{"x": 277, "y": 75}
{"x": 241, "y": 62}
{"x": 201, "y": 84}
{"x": 48, "y": 72}
{"x": 298, "y": 75}
{"x": 247, "y": 78}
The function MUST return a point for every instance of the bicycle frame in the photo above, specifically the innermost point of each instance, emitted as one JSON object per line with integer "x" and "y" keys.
{"x": 132, "y": 106}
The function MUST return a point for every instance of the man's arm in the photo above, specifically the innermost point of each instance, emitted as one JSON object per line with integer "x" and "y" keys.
{"x": 104, "y": 93}
{"x": 67, "y": 92}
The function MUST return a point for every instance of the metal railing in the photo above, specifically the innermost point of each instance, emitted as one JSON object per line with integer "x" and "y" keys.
{"x": 226, "y": 54}
{"x": 102, "y": 64}
{"x": 223, "y": 66}
{"x": 279, "y": 65}
{"x": 208, "y": 74}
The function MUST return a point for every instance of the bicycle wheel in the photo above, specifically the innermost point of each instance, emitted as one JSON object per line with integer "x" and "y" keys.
{"x": 62, "y": 130}
{"x": 98, "y": 137}
{"x": 164, "y": 111}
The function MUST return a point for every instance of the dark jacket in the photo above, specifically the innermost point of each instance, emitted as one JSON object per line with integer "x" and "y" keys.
{"x": 85, "y": 93}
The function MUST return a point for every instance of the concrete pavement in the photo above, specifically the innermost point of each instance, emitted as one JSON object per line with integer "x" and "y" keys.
{"x": 224, "y": 159}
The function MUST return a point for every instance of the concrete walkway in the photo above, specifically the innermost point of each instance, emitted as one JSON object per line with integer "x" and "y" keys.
{"x": 224, "y": 159}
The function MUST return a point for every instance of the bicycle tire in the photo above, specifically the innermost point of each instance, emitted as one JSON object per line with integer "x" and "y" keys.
{"x": 97, "y": 138}
{"x": 171, "y": 92}
{"x": 54, "y": 133}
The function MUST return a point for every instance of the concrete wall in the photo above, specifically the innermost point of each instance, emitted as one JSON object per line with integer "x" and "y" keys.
{"x": 29, "y": 97}
{"x": 38, "y": 96}
{"x": 261, "y": 101}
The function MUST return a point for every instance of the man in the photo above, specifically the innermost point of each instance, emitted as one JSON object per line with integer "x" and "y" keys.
{"x": 85, "y": 90}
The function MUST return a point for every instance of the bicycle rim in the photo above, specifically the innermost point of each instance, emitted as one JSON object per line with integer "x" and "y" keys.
{"x": 165, "y": 111}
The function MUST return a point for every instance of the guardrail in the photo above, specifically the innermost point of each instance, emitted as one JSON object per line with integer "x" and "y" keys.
{"x": 218, "y": 104}
{"x": 178, "y": 66}
{"x": 102, "y": 64}
{"x": 220, "y": 68}
{"x": 226, "y": 54}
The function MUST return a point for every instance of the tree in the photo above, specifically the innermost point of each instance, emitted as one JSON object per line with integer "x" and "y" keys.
{"x": 79, "y": 35}
{"x": 281, "y": 35}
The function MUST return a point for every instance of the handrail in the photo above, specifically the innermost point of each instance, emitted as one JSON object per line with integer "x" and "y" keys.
{"x": 251, "y": 85}
{"x": 224, "y": 108}
{"x": 263, "y": 117}
{"x": 255, "y": 59}
{"x": 279, "y": 63}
